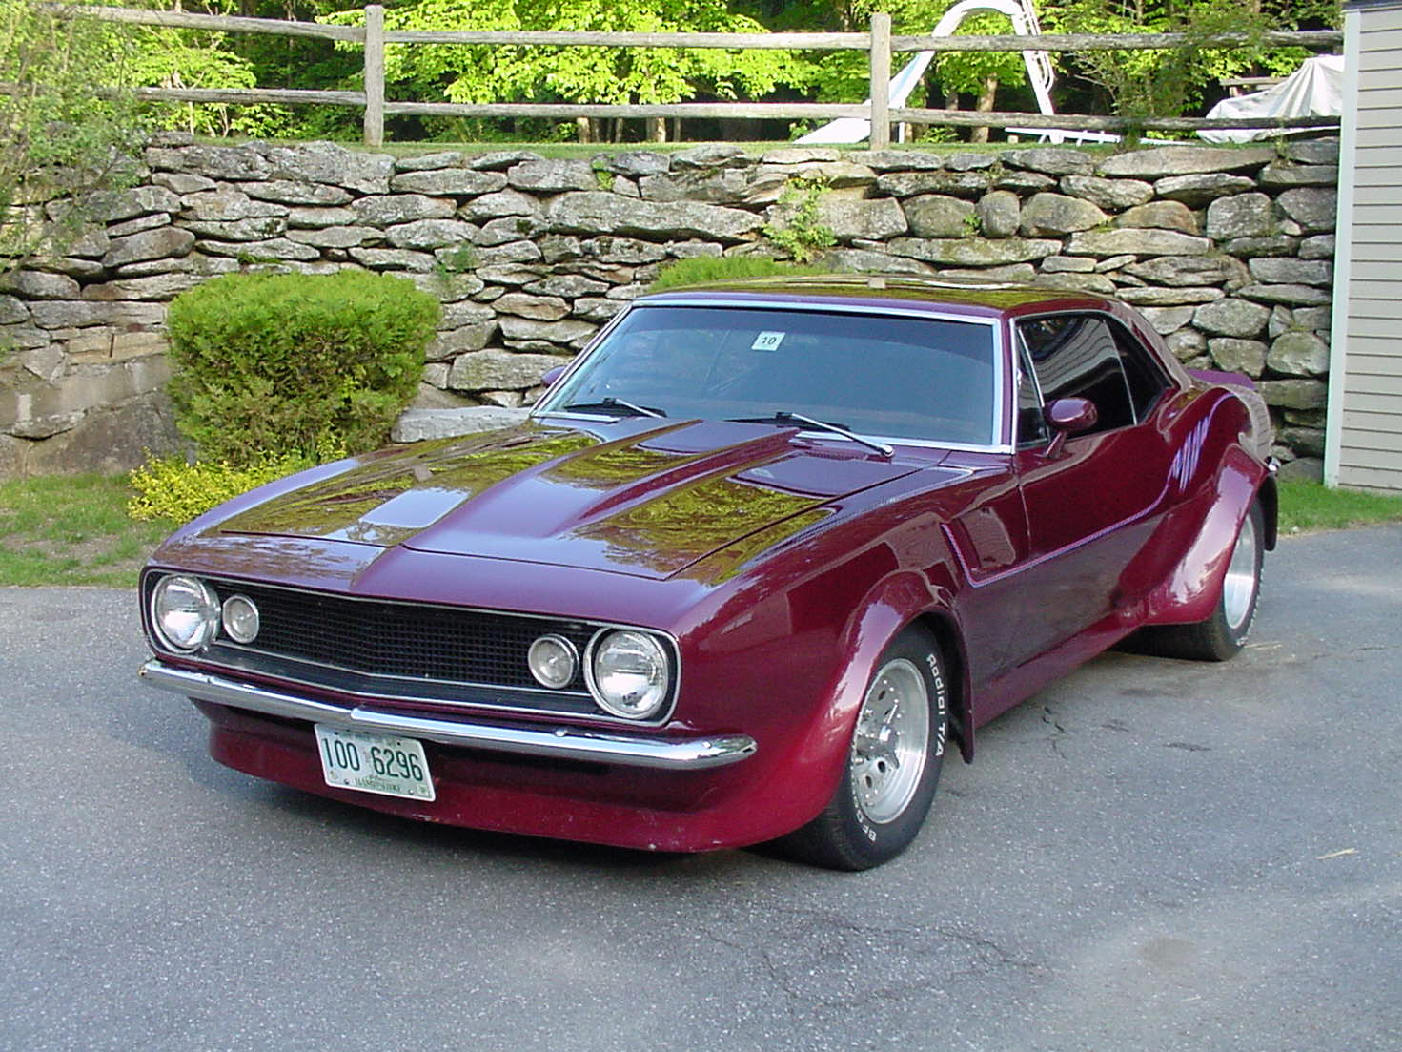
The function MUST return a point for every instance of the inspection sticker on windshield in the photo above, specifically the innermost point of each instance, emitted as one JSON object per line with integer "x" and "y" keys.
{"x": 768, "y": 341}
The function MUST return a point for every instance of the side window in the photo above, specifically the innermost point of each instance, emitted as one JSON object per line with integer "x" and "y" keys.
{"x": 1032, "y": 426}
{"x": 1145, "y": 376}
{"x": 1077, "y": 356}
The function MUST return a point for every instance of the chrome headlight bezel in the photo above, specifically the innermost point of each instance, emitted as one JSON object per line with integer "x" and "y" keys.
{"x": 240, "y": 619}
{"x": 648, "y": 649}
{"x": 200, "y": 610}
{"x": 563, "y": 647}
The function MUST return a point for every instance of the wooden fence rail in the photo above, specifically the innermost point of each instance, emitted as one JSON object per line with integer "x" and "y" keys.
{"x": 879, "y": 43}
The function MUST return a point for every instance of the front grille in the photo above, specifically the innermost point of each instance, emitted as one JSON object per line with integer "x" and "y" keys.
{"x": 413, "y": 653}
{"x": 402, "y": 640}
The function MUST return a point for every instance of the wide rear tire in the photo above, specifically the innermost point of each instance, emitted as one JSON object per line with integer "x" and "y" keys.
{"x": 1222, "y": 635}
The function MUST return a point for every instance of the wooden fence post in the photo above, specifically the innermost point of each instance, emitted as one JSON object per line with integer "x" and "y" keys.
{"x": 374, "y": 75}
{"x": 880, "y": 80}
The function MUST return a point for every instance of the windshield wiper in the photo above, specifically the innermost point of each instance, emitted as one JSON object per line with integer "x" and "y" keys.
{"x": 810, "y": 424}
{"x": 616, "y": 406}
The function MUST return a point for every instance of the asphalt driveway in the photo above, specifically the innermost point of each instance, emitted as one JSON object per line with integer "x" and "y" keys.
{"x": 1149, "y": 855}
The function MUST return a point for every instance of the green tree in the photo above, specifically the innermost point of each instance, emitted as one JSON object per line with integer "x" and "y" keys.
{"x": 844, "y": 76}
{"x": 174, "y": 58}
{"x": 1170, "y": 82}
{"x": 468, "y": 74}
{"x": 57, "y": 137}
{"x": 1134, "y": 83}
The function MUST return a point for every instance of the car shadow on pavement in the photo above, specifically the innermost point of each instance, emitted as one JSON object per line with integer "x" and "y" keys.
{"x": 357, "y": 823}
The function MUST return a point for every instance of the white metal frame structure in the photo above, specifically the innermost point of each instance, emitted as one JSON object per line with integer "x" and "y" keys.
{"x": 1039, "y": 72}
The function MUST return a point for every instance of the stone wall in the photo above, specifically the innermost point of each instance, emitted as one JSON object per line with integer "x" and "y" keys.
{"x": 1227, "y": 251}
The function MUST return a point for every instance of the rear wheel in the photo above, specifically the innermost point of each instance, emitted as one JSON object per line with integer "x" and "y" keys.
{"x": 1222, "y": 635}
{"x": 893, "y": 763}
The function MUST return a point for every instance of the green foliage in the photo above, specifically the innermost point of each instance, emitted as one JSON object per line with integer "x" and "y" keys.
{"x": 844, "y": 76}
{"x": 468, "y": 74}
{"x": 966, "y": 71}
{"x": 458, "y": 260}
{"x": 933, "y": 134}
{"x": 1167, "y": 82}
{"x": 57, "y": 137}
{"x": 796, "y": 227}
{"x": 603, "y": 176}
{"x": 174, "y": 58}
{"x": 175, "y": 491}
{"x": 699, "y": 269}
{"x": 295, "y": 363}
{"x": 73, "y": 55}
{"x": 1174, "y": 80}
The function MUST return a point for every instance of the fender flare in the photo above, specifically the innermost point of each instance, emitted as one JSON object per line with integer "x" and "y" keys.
{"x": 1190, "y": 592}
{"x": 903, "y": 598}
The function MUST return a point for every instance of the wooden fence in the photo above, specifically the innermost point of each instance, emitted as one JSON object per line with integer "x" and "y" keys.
{"x": 879, "y": 43}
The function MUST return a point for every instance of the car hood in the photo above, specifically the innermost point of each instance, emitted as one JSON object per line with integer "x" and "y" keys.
{"x": 642, "y": 497}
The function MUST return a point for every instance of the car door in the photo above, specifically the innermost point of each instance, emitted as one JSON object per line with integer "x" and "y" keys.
{"x": 1093, "y": 501}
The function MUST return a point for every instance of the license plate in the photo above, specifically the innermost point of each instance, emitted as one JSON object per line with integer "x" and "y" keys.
{"x": 374, "y": 763}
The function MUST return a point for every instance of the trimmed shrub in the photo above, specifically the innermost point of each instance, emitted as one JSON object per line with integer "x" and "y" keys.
{"x": 287, "y": 364}
{"x": 697, "y": 269}
{"x": 172, "y": 489}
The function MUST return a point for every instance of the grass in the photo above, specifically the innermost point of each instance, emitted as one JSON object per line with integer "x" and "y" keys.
{"x": 1306, "y": 506}
{"x": 66, "y": 530}
{"x": 753, "y": 147}
{"x": 568, "y": 149}
{"x": 696, "y": 269}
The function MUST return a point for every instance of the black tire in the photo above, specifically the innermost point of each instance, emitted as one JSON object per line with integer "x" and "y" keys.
{"x": 1222, "y": 635}
{"x": 881, "y": 802}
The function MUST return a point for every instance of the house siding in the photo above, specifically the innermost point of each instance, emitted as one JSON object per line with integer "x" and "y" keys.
{"x": 1364, "y": 440}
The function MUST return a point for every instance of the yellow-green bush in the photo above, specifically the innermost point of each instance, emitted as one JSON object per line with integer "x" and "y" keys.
{"x": 172, "y": 489}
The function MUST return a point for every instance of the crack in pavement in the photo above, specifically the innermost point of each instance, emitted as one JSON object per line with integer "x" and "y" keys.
{"x": 824, "y": 960}
{"x": 1058, "y": 731}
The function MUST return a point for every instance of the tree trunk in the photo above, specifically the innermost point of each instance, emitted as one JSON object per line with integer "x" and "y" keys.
{"x": 582, "y": 123}
{"x": 656, "y": 129}
{"x": 984, "y": 105}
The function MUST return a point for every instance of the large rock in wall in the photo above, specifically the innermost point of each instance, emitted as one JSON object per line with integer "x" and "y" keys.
{"x": 1228, "y": 252}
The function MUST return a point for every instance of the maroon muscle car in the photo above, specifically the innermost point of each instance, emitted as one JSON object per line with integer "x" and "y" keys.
{"x": 761, "y": 554}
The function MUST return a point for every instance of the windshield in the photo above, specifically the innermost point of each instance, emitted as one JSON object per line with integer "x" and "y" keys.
{"x": 894, "y": 377}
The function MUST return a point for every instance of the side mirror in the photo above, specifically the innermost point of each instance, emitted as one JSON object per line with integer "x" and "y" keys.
{"x": 551, "y": 375}
{"x": 1071, "y": 416}
{"x": 1067, "y": 417}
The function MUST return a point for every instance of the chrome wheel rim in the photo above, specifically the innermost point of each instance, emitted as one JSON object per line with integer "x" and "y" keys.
{"x": 1239, "y": 588}
{"x": 891, "y": 741}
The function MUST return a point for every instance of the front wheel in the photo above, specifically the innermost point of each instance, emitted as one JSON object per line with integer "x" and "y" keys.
{"x": 1222, "y": 635}
{"x": 893, "y": 763}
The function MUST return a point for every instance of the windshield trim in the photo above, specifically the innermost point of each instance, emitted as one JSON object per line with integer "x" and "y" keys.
{"x": 999, "y": 335}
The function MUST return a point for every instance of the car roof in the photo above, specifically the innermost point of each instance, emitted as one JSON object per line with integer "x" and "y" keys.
{"x": 972, "y": 297}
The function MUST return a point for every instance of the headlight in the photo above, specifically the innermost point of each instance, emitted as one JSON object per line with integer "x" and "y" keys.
{"x": 628, "y": 675}
{"x": 185, "y": 612}
{"x": 240, "y": 619}
{"x": 553, "y": 661}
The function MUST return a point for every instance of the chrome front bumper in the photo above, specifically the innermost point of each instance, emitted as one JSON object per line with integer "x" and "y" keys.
{"x": 668, "y": 754}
